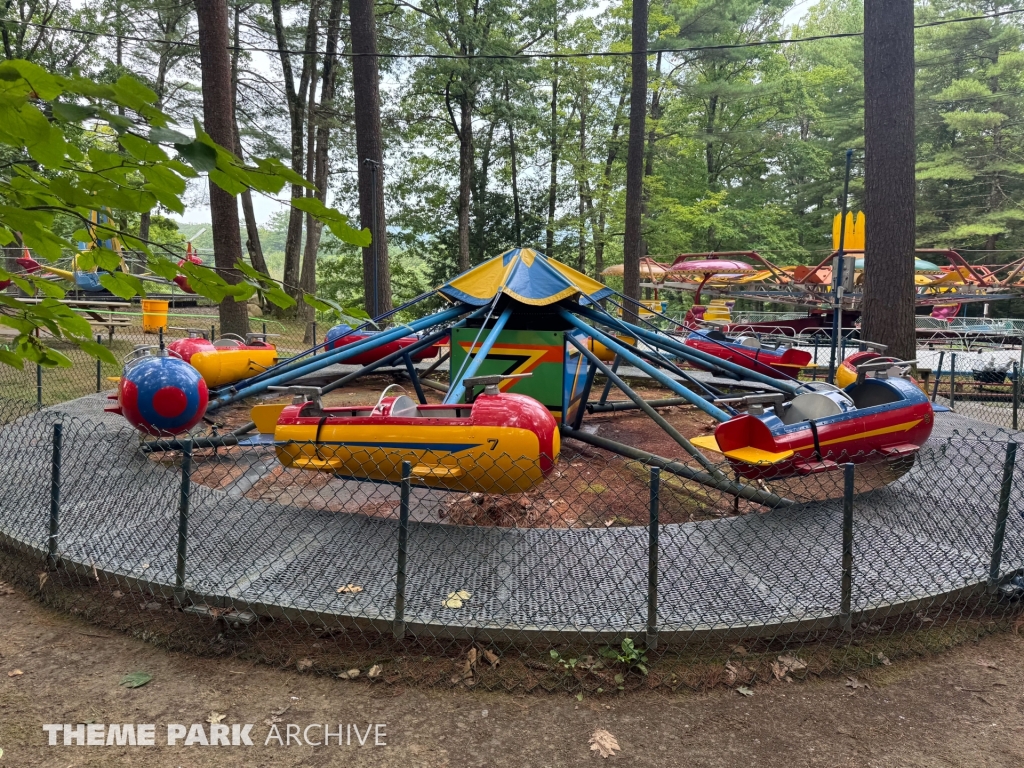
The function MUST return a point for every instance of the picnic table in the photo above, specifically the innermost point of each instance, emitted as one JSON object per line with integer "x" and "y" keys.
{"x": 100, "y": 314}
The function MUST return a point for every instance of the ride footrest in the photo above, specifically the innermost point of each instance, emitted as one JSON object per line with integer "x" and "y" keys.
{"x": 901, "y": 450}
{"x": 318, "y": 464}
{"x": 810, "y": 467}
{"x": 428, "y": 470}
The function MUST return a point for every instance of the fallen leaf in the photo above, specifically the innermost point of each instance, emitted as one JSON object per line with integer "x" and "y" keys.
{"x": 781, "y": 672}
{"x": 5, "y": 589}
{"x": 349, "y": 589}
{"x": 735, "y": 672}
{"x": 456, "y": 599}
{"x": 465, "y": 674}
{"x": 272, "y": 721}
{"x": 784, "y": 665}
{"x": 492, "y": 658}
{"x": 853, "y": 682}
{"x": 604, "y": 743}
{"x": 744, "y": 691}
{"x": 282, "y": 710}
{"x": 43, "y": 578}
{"x": 117, "y": 594}
{"x": 792, "y": 663}
{"x": 739, "y": 650}
{"x": 215, "y": 717}
{"x": 136, "y": 679}
{"x": 884, "y": 659}
{"x": 15, "y": 673}
{"x": 375, "y": 671}
{"x": 303, "y": 664}
{"x": 986, "y": 664}
{"x": 352, "y": 674}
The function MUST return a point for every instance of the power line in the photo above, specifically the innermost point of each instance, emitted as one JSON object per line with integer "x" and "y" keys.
{"x": 517, "y": 56}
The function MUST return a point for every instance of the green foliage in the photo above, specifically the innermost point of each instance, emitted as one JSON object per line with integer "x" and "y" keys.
{"x": 339, "y": 277}
{"x": 568, "y": 665}
{"x": 126, "y": 168}
{"x": 628, "y": 655}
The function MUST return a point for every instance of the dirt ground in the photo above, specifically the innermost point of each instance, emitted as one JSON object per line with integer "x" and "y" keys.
{"x": 961, "y": 708}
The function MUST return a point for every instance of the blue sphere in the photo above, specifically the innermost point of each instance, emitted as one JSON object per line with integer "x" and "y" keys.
{"x": 162, "y": 395}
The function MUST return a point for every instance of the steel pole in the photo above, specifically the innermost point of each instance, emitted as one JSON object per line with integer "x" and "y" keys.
{"x": 837, "y": 314}
{"x": 652, "y": 560}
{"x": 846, "y": 587}
{"x": 1005, "y": 488}
{"x": 55, "y": 465}
{"x": 184, "y": 501}
{"x": 403, "y": 550}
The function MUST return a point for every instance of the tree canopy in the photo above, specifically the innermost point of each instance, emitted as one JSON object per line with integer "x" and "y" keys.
{"x": 506, "y": 125}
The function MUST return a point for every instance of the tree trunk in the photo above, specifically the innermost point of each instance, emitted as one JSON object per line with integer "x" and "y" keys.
{"x": 889, "y": 188}
{"x": 581, "y": 185}
{"x": 466, "y": 162}
{"x": 480, "y": 191}
{"x": 370, "y": 156}
{"x": 652, "y": 138}
{"x": 553, "y": 177}
{"x": 709, "y": 146}
{"x": 252, "y": 230}
{"x": 632, "y": 245}
{"x": 319, "y": 153}
{"x": 296, "y": 97}
{"x": 514, "y": 168}
{"x": 600, "y": 225}
{"x": 218, "y": 119}
{"x": 307, "y": 277}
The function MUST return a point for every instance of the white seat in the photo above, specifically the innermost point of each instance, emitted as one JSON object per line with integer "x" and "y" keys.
{"x": 750, "y": 341}
{"x": 404, "y": 407}
{"x": 810, "y": 405}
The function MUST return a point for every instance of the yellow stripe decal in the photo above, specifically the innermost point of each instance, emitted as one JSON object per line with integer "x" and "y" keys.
{"x": 905, "y": 426}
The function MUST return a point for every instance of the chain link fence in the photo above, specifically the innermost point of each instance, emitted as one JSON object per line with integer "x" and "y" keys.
{"x": 85, "y": 375}
{"x": 610, "y": 574}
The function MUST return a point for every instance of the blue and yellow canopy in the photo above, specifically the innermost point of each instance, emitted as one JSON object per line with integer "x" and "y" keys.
{"x": 524, "y": 275}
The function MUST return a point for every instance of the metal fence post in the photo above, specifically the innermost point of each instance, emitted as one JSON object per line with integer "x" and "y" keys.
{"x": 39, "y": 386}
{"x": 1016, "y": 393}
{"x": 99, "y": 366}
{"x": 403, "y": 551}
{"x": 938, "y": 374}
{"x": 846, "y": 587}
{"x": 1004, "y": 509}
{"x": 184, "y": 501}
{"x": 952, "y": 380}
{"x": 51, "y": 541}
{"x": 652, "y": 561}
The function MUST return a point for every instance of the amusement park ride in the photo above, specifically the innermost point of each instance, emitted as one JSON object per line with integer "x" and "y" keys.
{"x": 534, "y": 334}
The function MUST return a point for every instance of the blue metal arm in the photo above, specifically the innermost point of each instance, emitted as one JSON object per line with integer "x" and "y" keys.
{"x": 695, "y": 356}
{"x": 626, "y": 354}
{"x": 458, "y": 389}
{"x": 339, "y": 355}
